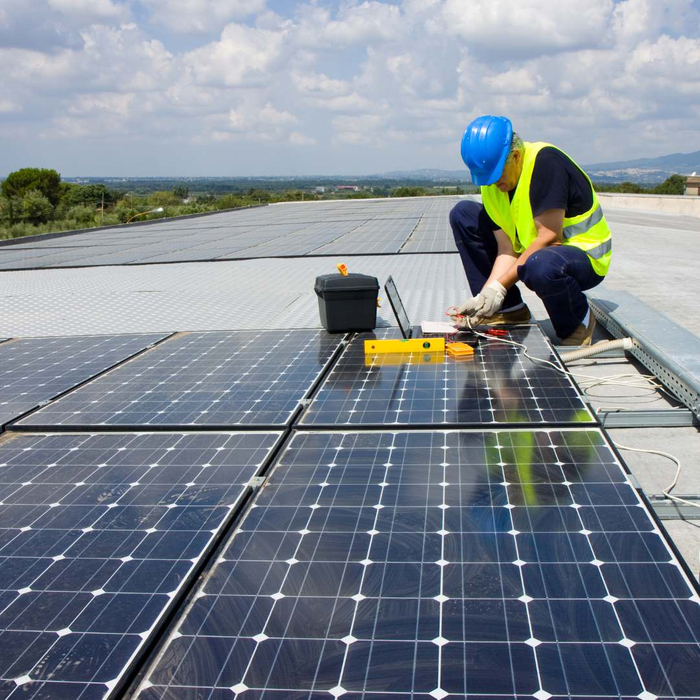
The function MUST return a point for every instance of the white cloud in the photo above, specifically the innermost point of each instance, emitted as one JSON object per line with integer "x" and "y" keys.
{"x": 494, "y": 28}
{"x": 667, "y": 58}
{"x": 514, "y": 81}
{"x": 355, "y": 23}
{"x": 318, "y": 84}
{"x": 7, "y": 106}
{"x": 243, "y": 55}
{"x": 378, "y": 84}
{"x": 252, "y": 122}
{"x": 199, "y": 16}
{"x": 90, "y": 104}
{"x": 94, "y": 9}
{"x": 344, "y": 103}
{"x": 297, "y": 139}
{"x": 365, "y": 129}
{"x": 635, "y": 20}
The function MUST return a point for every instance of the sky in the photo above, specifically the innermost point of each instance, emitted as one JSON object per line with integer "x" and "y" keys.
{"x": 280, "y": 87}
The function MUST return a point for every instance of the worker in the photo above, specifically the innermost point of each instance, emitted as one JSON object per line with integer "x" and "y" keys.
{"x": 540, "y": 223}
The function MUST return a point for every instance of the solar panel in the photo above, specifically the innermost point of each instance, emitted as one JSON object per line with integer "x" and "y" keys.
{"x": 34, "y": 370}
{"x": 98, "y": 536}
{"x": 499, "y": 385}
{"x": 214, "y": 379}
{"x": 489, "y": 564}
{"x": 381, "y": 227}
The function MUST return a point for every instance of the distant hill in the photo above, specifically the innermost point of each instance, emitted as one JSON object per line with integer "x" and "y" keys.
{"x": 425, "y": 174}
{"x": 645, "y": 170}
{"x": 642, "y": 170}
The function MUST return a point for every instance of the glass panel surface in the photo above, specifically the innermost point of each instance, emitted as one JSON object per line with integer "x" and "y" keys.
{"x": 222, "y": 379}
{"x": 98, "y": 534}
{"x": 499, "y": 384}
{"x": 426, "y": 564}
{"x": 34, "y": 370}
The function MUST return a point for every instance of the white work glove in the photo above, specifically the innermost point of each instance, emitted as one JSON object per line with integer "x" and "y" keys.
{"x": 487, "y": 303}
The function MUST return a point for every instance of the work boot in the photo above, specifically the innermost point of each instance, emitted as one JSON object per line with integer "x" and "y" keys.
{"x": 521, "y": 315}
{"x": 583, "y": 335}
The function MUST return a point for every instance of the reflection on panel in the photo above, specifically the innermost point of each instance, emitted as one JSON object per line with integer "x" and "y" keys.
{"x": 98, "y": 533}
{"x": 498, "y": 385}
{"x": 427, "y": 564}
{"x": 222, "y": 379}
{"x": 34, "y": 370}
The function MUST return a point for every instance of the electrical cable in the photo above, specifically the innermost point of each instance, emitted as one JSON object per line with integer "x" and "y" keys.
{"x": 614, "y": 380}
{"x": 649, "y": 384}
{"x": 667, "y": 491}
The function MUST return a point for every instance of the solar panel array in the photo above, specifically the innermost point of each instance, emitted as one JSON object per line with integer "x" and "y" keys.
{"x": 493, "y": 564}
{"x": 207, "y": 379}
{"x": 318, "y": 228}
{"x": 34, "y": 370}
{"x": 499, "y": 385}
{"x": 98, "y": 535}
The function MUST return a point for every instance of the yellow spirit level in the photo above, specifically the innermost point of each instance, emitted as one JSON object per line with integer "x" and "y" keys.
{"x": 377, "y": 347}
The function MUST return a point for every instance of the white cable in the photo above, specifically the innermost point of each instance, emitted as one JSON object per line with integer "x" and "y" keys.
{"x": 610, "y": 381}
{"x": 667, "y": 491}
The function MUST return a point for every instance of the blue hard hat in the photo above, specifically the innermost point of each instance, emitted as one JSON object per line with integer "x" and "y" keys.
{"x": 485, "y": 146}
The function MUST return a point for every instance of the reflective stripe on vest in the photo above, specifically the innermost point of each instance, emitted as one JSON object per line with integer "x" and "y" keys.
{"x": 600, "y": 250}
{"x": 583, "y": 226}
{"x": 588, "y": 231}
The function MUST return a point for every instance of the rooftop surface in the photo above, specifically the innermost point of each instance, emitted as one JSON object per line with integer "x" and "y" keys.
{"x": 77, "y": 305}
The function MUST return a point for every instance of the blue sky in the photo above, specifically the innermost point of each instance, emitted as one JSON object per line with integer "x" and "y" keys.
{"x": 280, "y": 87}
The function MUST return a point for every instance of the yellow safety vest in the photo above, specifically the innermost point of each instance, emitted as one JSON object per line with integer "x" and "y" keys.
{"x": 588, "y": 231}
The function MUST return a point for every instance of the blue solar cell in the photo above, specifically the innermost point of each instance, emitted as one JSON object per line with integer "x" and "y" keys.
{"x": 201, "y": 379}
{"x": 499, "y": 385}
{"x": 97, "y": 544}
{"x": 407, "y": 564}
{"x": 34, "y": 370}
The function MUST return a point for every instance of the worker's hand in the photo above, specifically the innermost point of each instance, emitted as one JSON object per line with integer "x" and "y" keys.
{"x": 488, "y": 302}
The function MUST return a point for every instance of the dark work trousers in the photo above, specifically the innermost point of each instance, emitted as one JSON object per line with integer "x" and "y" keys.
{"x": 557, "y": 274}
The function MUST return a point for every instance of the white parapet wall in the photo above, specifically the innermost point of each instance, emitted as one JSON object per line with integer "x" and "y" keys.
{"x": 666, "y": 203}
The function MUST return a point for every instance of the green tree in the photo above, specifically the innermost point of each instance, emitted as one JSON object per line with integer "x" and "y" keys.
{"x": 629, "y": 188}
{"x": 163, "y": 199}
{"x": 262, "y": 195}
{"x": 82, "y": 214}
{"x": 407, "y": 191}
{"x": 20, "y": 182}
{"x": 181, "y": 192}
{"x": 231, "y": 201}
{"x": 88, "y": 195}
{"x": 671, "y": 185}
{"x": 36, "y": 208}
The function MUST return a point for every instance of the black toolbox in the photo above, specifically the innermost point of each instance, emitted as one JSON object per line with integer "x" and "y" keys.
{"x": 347, "y": 302}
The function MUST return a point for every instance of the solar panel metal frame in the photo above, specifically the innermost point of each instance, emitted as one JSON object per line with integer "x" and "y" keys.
{"x": 114, "y": 687}
{"x": 285, "y": 554}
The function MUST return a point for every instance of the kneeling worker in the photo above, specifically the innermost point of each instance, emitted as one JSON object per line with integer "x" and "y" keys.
{"x": 540, "y": 223}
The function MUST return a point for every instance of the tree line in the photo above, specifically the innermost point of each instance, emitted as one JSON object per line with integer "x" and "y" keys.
{"x": 36, "y": 200}
{"x": 675, "y": 184}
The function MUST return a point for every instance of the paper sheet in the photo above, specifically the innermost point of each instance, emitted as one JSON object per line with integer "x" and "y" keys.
{"x": 437, "y": 327}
